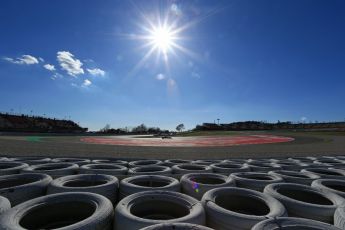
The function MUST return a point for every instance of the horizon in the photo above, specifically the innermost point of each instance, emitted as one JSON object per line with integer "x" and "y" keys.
{"x": 162, "y": 63}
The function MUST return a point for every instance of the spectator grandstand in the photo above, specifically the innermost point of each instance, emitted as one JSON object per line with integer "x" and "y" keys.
{"x": 25, "y": 123}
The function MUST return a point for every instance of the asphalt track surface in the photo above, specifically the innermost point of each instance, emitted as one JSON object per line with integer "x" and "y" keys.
{"x": 304, "y": 144}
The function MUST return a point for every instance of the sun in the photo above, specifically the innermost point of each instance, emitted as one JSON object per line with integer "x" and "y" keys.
{"x": 162, "y": 38}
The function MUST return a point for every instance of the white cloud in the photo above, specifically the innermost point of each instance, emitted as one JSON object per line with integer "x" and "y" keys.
{"x": 23, "y": 60}
{"x": 70, "y": 64}
{"x": 49, "y": 67}
{"x": 160, "y": 77}
{"x": 56, "y": 76}
{"x": 96, "y": 72}
{"x": 86, "y": 83}
{"x": 41, "y": 59}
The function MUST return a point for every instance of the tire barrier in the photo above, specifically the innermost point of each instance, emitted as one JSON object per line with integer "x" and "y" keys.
{"x": 190, "y": 168}
{"x": 330, "y": 185}
{"x": 8, "y": 168}
{"x": 331, "y": 161}
{"x": 305, "y": 201}
{"x": 135, "y": 184}
{"x": 138, "y": 163}
{"x": 150, "y": 170}
{"x": 254, "y": 180}
{"x": 4, "y": 204}
{"x": 101, "y": 184}
{"x": 287, "y": 223}
{"x": 305, "y": 160}
{"x": 143, "y": 209}
{"x": 295, "y": 177}
{"x": 109, "y": 169}
{"x": 197, "y": 184}
{"x": 291, "y": 166}
{"x": 68, "y": 211}
{"x": 172, "y": 162}
{"x": 227, "y": 167}
{"x": 261, "y": 167}
{"x": 18, "y": 188}
{"x": 78, "y": 161}
{"x": 206, "y": 162}
{"x": 109, "y": 161}
{"x": 4, "y": 159}
{"x": 239, "y": 208}
{"x": 235, "y": 161}
{"x": 55, "y": 170}
{"x": 176, "y": 226}
{"x": 325, "y": 173}
{"x": 339, "y": 217}
{"x": 259, "y": 161}
{"x": 32, "y": 160}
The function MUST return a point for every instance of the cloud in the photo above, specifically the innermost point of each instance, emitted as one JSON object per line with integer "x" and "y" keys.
{"x": 41, "y": 59}
{"x": 71, "y": 65}
{"x": 96, "y": 72}
{"x": 160, "y": 77}
{"x": 303, "y": 119}
{"x": 49, "y": 67}
{"x": 23, "y": 60}
{"x": 56, "y": 76}
{"x": 86, "y": 83}
{"x": 195, "y": 75}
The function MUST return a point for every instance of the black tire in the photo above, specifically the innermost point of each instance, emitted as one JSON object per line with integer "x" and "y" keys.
{"x": 55, "y": 170}
{"x": 109, "y": 169}
{"x": 176, "y": 226}
{"x": 339, "y": 218}
{"x": 305, "y": 201}
{"x": 144, "y": 209}
{"x": 227, "y": 167}
{"x": 197, "y": 184}
{"x": 138, "y": 163}
{"x": 68, "y": 211}
{"x": 4, "y": 204}
{"x": 282, "y": 223}
{"x": 295, "y": 177}
{"x": 8, "y": 168}
{"x": 330, "y": 185}
{"x": 190, "y": 168}
{"x": 235, "y": 161}
{"x": 18, "y": 188}
{"x": 150, "y": 170}
{"x": 110, "y": 161}
{"x": 254, "y": 180}
{"x": 104, "y": 185}
{"x": 262, "y": 167}
{"x": 135, "y": 184}
{"x": 325, "y": 173}
{"x": 238, "y": 208}
{"x": 206, "y": 162}
{"x": 172, "y": 162}
{"x": 291, "y": 166}
{"x": 78, "y": 161}
{"x": 32, "y": 160}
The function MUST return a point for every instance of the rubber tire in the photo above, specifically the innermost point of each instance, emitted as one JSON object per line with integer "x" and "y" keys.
{"x": 23, "y": 187}
{"x": 305, "y": 209}
{"x": 55, "y": 170}
{"x": 198, "y": 189}
{"x": 125, "y": 219}
{"x": 220, "y": 218}
{"x": 339, "y": 217}
{"x": 295, "y": 177}
{"x": 128, "y": 185}
{"x": 4, "y": 204}
{"x": 318, "y": 172}
{"x": 138, "y": 163}
{"x": 150, "y": 170}
{"x": 291, "y": 166}
{"x": 78, "y": 161}
{"x": 100, "y": 219}
{"x": 110, "y": 161}
{"x": 191, "y": 168}
{"x": 321, "y": 184}
{"x": 206, "y": 162}
{"x": 32, "y": 160}
{"x": 282, "y": 223}
{"x": 9, "y": 168}
{"x": 176, "y": 226}
{"x": 262, "y": 167}
{"x": 227, "y": 167}
{"x": 172, "y": 162}
{"x": 109, "y": 169}
{"x": 247, "y": 180}
{"x": 109, "y": 189}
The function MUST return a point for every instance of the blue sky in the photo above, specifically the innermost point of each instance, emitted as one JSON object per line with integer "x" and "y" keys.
{"x": 232, "y": 60}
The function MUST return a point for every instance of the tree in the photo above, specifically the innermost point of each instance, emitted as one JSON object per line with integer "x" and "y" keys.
{"x": 105, "y": 129}
{"x": 180, "y": 127}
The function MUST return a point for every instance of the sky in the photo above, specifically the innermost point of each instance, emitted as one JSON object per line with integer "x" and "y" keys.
{"x": 163, "y": 63}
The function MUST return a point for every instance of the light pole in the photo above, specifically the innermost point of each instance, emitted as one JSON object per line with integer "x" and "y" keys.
{"x": 218, "y": 120}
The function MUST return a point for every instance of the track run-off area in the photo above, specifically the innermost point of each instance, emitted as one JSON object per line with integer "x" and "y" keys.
{"x": 204, "y": 141}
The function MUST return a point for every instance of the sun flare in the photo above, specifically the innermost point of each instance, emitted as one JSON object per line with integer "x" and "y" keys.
{"x": 162, "y": 39}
